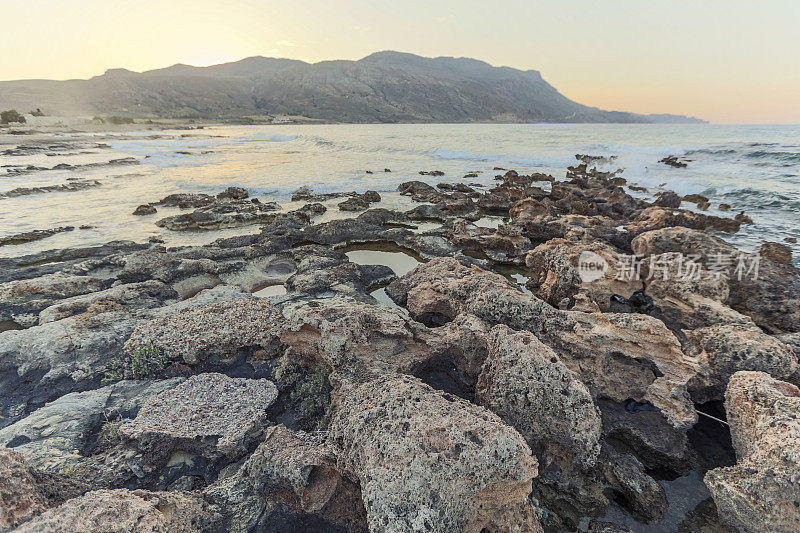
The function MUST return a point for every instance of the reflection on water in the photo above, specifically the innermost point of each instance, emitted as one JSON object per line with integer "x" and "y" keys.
{"x": 400, "y": 262}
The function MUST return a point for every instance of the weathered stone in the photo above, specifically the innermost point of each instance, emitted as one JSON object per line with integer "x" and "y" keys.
{"x": 145, "y": 209}
{"x": 222, "y": 214}
{"x": 233, "y": 193}
{"x": 431, "y": 461}
{"x": 761, "y": 492}
{"x": 20, "y": 499}
{"x": 654, "y": 218}
{"x": 769, "y": 294}
{"x": 57, "y": 436}
{"x": 668, "y": 199}
{"x": 186, "y": 200}
{"x": 217, "y": 329}
{"x": 209, "y": 414}
{"x": 624, "y": 356}
{"x": 525, "y": 383}
{"x": 362, "y": 338}
{"x": 777, "y": 252}
{"x": 138, "y": 511}
{"x": 723, "y": 350}
{"x": 561, "y": 270}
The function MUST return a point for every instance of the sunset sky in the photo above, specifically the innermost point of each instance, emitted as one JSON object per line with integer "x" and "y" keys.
{"x": 731, "y": 61}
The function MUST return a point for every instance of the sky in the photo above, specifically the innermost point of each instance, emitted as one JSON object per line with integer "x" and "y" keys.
{"x": 733, "y": 61}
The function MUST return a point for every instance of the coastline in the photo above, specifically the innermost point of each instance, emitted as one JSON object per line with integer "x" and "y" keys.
{"x": 487, "y": 306}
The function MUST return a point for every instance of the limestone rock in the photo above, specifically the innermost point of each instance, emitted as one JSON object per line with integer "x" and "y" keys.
{"x": 723, "y": 350}
{"x": 770, "y": 295}
{"x": 209, "y": 414}
{"x": 216, "y": 329}
{"x": 431, "y": 461}
{"x": 525, "y": 383}
{"x": 138, "y": 511}
{"x": 57, "y": 436}
{"x": 761, "y": 492}
{"x": 19, "y": 497}
{"x": 557, "y": 274}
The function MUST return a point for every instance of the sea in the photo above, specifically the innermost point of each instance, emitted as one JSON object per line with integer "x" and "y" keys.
{"x": 755, "y": 169}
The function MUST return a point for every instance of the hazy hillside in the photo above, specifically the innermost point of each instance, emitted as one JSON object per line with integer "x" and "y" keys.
{"x": 383, "y": 87}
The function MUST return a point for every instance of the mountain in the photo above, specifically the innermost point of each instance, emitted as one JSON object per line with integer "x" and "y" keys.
{"x": 382, "y": 87}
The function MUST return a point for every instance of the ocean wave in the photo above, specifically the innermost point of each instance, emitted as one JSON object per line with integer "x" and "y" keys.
{"x": 709, "y": 151}
{"x": 540, "y": 162}
{"x": 779, "y": 156}
{"x": 267, "y": 137}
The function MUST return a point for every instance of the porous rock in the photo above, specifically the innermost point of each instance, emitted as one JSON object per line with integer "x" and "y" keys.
{"x": 761, "y": 492}
{"x": 431, "y": 461}
{"x": 210, "y": 414}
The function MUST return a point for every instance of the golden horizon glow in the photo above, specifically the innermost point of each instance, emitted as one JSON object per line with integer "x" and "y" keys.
{"x": 725, "y": 61}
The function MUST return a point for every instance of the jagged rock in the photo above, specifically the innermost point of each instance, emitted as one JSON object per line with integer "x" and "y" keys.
{"x": 445, "y": 288}
{"x": 298, "y": 463}
{"x": 772, "y": 299}
{"x": 777, "y": 252}
{"x": 289, "y": 460}
{"x": 431, "y": 461}
{"x": 208, "y": 414}
{"x": 654, "y": 218}
{"x": 695, "y": 198}
{"x": 22, "y": 300}
{"x": 624, "y": 356}
{"x": 621, "y": 356}
{"x": 233, "y": 193}
{"x": 687, "y": 300}
{"x": 672, "y": 161}
{"x": 418, "y": 190}
{"x": 503, "y": 245}
{"x": 39, "y": 364}
{"x": 20, "y": 499}
{"x": 761, "y": 492}
{"x": 130, "y": 297}
{"x": 723, "y": 350}
{"x": 57, "y": 436}
{"x": 668, "y": 199}
{"x": 216, "y": 329}
{"x": 355, "y": 203}
{"x": 138, "y": 511}
{"x": 222, "y": 214}
{"x": 641, "y": 493}
{"x": 145, "y": 209}
{"x": 362, "y": 338}
{"x": 186, "y": 200}
{"x": 71, "y": 186}
{"x": 647, "y": 434}
{"x": 743, "y": 219}
{"x": 459, "y": 347}
{"x": 525, "y": 383}
{"x": 35, "y": 235}
{"x": 565, "y": 270}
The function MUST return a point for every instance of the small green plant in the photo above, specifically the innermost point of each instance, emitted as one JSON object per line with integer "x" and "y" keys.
{"x": 139, "y": 363}
{"x": 311, "y": 396}
{"x": 7, "y": 117}
{"x": 109, "y": 434}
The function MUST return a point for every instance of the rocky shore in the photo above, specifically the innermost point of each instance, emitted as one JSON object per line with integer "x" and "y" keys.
{"x": 549, "y": 365}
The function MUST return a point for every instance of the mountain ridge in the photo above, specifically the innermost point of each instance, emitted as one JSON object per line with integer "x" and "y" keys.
{"x": 385, "y": 86}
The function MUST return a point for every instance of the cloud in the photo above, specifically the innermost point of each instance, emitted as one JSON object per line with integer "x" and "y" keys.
{"x": 444, "y": 19}
{"x": 288, "y": 44}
